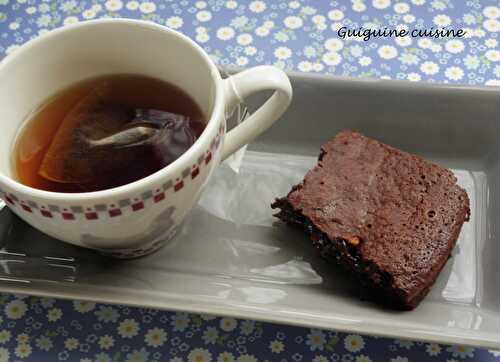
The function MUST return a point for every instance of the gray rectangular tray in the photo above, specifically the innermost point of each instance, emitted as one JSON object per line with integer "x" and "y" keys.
{"x": 232, "y": 258}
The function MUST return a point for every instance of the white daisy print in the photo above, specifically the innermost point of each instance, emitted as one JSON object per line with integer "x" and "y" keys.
{"x": 305, "y": 66}
{"x": 71, "y": 344}
{"x": 293, "y": 22}
{"x": 15, "y": 309}
{"x": 44, "y": 343}
{"x": 424, "y": 43}
{"x": 241, "y": 61}
{"x": 363, "y": 358}
{"x": 204, "y": 15}
{"x": 335, "y": 15}
{"x": 276, "y": 346}
{"x": 268, "y": 24}
{"x": 174, "y": 22}
{"x": 400, "y": 27}
{"x": 318, "y": 19}
{"x": 262, "y": 31}
{"x": 429, "y": 68}
{"x": 442, "y": 20}
{"x": 155, "y": 337}
{"x": 54, "y": 314}
{"x": 107, "y": 314}
{"x": 358, "y": 7}
{"x": 5, "y": 336}
{"x": 231, "y": 4}
{"x": 471, "y": 62}
{"x": 336, "y": 26}
{"x": 147, "y": 7}
{"x": 479, "y": 33}
{"x": 387, "y": 52}
{"x": 202, "y": 37}
{"x": 316, "y": 340}
{"x": 413, "y": 77}
{"x": 408, "y": 18}
{"x": 140, "y": 355}
{"x": 320, "y": 359}
{"x": 433, "y": 349}
{"x": 113, "y": 5}
{"x": 408, "y": 58}
{"x": 201, "y": 4}
{"x": 356, "y": 51}
{"x": 70, "y": 20}
{"x": 491, "y": 12}
{"x": 493, "y": 55}
{"x": 436, "y": 48}
{"x": 282, "y": 53}
{"x": 23, "y": 338}
{"x": 13, "y": 26}
{"x": 354, "y": 343}
{"x": 403, "y": 41}
{"x": 244, "y": 39}
{"x": 97, "y": 7}
{"x": 454, "y": 73}
{"x": 225, "y": 357}
{"x": 318, "y": 67}
{"x": 250, "y": 50}
{"x": 454, "y": 46}
{"x": 225, "y": 33}
{"x": 365, "y": 61}
{"x": 294, "y": 4}
{"x": 88, "y": 14}
{"x": 461, "y": 351}
{"x": 381, "y": 4}
{"x": 4, "y": 355}
{"x": 247, "y": 327}
{"x": 257, "y": 6}
{"x": 331, "y": 58}
{"x": 334, "y": 45}
{"x": 491, "y": 43}
{"x": 106, "y": 342}
{"x": 133, "y": 5}
{"x": 492, "y": 25}
{"x": 83, "y": 306}
{"x": 199, "y": 355}
{"x": 22, "y": 350}
{"x": 180, "y": 321}
{"x": 246, "y": 358}
{"x": 210, "y": 335}
{"x": 30, "y": 10}
{"x": 128, "y": 328}
{"x": 401, "y": 8}
{"x": 418, "y": 2}
{"x": 228, "y": 324}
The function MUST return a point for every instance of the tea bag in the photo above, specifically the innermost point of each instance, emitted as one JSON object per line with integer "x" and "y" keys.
{"x": 101, "y": 145}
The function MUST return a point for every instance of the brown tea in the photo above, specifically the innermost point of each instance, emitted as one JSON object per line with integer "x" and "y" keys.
{"x": 105, "y": 132}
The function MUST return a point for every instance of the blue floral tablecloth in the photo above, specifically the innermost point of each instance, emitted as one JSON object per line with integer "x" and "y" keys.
{"x": 295, "y": 35}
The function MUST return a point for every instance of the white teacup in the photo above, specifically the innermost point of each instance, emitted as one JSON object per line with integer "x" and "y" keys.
{"x": 137, "y": 218}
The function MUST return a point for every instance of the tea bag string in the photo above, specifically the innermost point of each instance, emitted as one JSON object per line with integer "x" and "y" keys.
{"x": 127, "y": 137}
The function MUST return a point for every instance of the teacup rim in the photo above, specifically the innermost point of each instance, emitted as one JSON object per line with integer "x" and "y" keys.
{"x": 146, "y": 182}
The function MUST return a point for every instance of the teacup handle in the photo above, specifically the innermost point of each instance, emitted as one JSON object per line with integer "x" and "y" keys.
{"x": 245, "y": 83}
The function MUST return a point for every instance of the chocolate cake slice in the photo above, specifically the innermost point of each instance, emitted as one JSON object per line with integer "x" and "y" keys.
{"x": 387, "y": 216}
